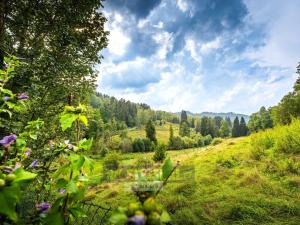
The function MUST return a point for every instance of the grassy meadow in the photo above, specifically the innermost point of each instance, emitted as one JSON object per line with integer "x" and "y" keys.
{"x": 234, "y": 182}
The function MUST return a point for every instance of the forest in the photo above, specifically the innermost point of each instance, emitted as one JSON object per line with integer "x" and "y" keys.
{"x": 71, "y": 153}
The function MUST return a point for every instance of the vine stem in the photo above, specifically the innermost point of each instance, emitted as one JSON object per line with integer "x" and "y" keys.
{"x": 166, "y": 180}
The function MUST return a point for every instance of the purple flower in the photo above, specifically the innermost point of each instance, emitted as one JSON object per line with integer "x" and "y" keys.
{"x": 6, "y": 98}
{"x": 35, "y": 163}
{"x": 43, "y": 207}
{"x": 28, "y": 152}
{"x": 8, "y": 140}
{"x": 136, "y": 220}
{"x": 62, "y": 190}
{"x": 23, "y": 96}
{"x": 70, "y": 146}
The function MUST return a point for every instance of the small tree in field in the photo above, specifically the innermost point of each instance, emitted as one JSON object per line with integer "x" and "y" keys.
{"x": 160, "y": 153}
{"x": 150, "y": 131}
{"x": 225, "y": 129}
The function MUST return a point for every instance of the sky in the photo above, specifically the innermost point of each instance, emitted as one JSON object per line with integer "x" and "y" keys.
{"x": 201, "y": 55}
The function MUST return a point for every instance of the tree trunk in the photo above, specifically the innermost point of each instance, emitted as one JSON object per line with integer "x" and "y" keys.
{"x": 2, "y": 30}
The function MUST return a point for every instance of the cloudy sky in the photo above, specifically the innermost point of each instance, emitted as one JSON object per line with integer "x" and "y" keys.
{"x": 201, "y": 55}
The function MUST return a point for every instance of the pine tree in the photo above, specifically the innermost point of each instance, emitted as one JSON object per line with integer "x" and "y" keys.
{"x": 150, "y": 131}
{"x": 243, "y": 128}
{"x": 229, "y": 122}
{"x": 204, "y": 124}
{"x": 183, "y": 116}
{"x": 236, "y": 128}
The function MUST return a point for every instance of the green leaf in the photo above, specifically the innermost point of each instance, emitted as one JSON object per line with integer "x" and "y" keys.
{"x": 118, "y": 218}
{"x": 9, "y": 197}
{"x": 33, "y": 136}
{"x": 22, "y": 175}
{"x": 165, "y": 217}
{"x": 89, "y": 163}
{"x": 167, "y": 168}
{"x": 83, "y": 119}
{"x": 55, "y": 218}
{"x": 66, "y": 120}
{"x": 21, "y": 143}
{"x": 85, "y": 144}
{"x": 71, "y": 187}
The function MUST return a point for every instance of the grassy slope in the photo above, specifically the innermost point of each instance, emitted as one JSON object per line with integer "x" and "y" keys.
{"x": 229, "y": 188}
{"x": 162, "y": 132}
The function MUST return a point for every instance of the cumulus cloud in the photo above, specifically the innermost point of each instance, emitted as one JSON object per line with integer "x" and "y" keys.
{"x": 201, "y": 55}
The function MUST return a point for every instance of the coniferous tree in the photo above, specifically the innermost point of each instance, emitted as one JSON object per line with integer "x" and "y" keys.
{"x": 229, "y": 122}
{"x": 236, "y": 127}
{"x": 204, "y": 124}
{"x": 243, "y": 128}
{"x": 183, "y": 116}
{"x": 150, "y": 131}
{"x": 198, "y": 126}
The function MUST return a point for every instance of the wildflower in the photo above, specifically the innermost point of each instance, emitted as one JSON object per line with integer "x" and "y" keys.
{"x": 28, "y": 152}
{"x": 35, "y": 163}
{"x": 6, "y": 98}
{"x": 43, "y": 207}
{"x": 8, "y": 140}
{"x": 23, "y": 96}
{"x": 62, "y": 190}
{"x": 136, "y": 220}
{"x": 70, "y": 146}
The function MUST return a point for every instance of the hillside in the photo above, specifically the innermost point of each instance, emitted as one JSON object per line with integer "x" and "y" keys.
{"x": 225, "y": 185}
{"x": 231, "y": 115}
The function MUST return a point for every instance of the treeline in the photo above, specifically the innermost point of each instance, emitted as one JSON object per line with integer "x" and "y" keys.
{"x": 281, "y": 114}
{"x": 133, "y": 114}
{"x": 215, "y": 127}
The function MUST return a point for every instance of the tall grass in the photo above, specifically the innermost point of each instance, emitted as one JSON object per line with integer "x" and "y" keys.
{"x": 285, "y": 139}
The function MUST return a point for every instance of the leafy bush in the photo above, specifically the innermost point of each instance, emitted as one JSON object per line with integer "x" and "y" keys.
{"x": 177, "y": 143}
{"x": 114, "y": 143}
{"x": 143, "y": 162}
{"x": 189, "y": 142}
{"x": 228, "y": 163}
{"x": 160, "y": 153}
{"x": 207, "y": 139}
{"x": 149, "y": 145}
{"x": 217, "y": 141}
{"x": 138, "y": 145}
{"x": 126, "y": 145}
{"x": 104, "y": 151}
{"x": 111, "y": 161}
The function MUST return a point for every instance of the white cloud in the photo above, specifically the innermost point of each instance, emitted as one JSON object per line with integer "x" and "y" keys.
{"x": 165, "y": 40}
{"x": 182, "y": 5}
{"x": 209, "y": 46}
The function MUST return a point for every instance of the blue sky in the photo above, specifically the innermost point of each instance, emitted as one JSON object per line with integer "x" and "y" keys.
{"x": 201, "y": 55}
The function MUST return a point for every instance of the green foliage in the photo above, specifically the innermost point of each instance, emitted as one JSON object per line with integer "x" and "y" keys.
{"x": 260, "y": 121}
{"x": 236, "y": 127}
{"x": 208, "y": 139}
{"x": 225, "y": 129}
{"x": 150, "y": 131}
{"x": 183, "y": 116}
{"x": 184, "y": 129}
{"x": 160, "y": 153}
{"x": 143, "y": 162}
{"x": 142, "y": 145}
{"x": 243, "y": 129}
{"x": 111, "y": 161}
{"x": 217, "y": 141}
{"x": 126, "y": 145}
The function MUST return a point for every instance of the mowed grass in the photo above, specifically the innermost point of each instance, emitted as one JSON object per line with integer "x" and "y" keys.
{"x": 162, "y": 132}
{"x": 225, "y": 185}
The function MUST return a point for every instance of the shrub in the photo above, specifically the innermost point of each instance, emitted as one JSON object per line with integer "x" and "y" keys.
{"x": 126, "y": 145}
{"x": 207, "y": 139}
{"x": 149, "y": 145}
{"x": 199, "y": 140}
{"x": 217, "y": 141}
{"x": 138, "y": 145}
{"x": 177, "y": 143}
{"x": 111, "y": 161}
{"x": 114, "y": 143}
{"x": 160, "y": 153}
{"x": 143, "y": 162}
{"x": 104, "y": 151}
{"x": 189, "y": 142}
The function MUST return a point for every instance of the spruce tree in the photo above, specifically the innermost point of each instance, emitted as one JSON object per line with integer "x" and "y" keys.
{"x": 229, "y": 122}
{"x": 183, "y": 116}
{"x": 243, "y": 128}
{"x": 236, "y": 128}
{"x": 150, "y": 131}
{"x": 171, "y": 137}
{"x": 184, "y": 129}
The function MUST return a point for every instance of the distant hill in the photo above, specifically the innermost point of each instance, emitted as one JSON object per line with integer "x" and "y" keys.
{"x": 231, "y": 115}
